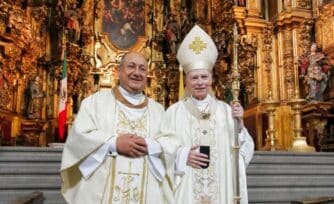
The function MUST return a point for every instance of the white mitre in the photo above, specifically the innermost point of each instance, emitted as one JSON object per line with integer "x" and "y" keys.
{"x": 197, "y": 51}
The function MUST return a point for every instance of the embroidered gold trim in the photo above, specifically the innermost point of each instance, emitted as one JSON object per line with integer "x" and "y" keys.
{"x": 119, "y": 97}
{"x": 140, "y": 126}
{"x": 112, "y": 178}
{"x": 143, "y": 182}
{"x": 205, "y": 188}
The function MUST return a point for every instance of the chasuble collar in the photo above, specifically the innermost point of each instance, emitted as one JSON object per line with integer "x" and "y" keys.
{"x": 128, "y": 99}
{"x": 202, "y": 105}
{"x": 208, "y": 103}
{"x": 135, "y": 99}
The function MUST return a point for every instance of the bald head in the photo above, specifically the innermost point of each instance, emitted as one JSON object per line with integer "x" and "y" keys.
{"x": 132, "y": 72}
{"x": 131, "y": 53}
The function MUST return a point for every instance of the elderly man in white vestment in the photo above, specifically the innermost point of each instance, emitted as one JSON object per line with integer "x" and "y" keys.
{"x": 110, "y": 155}
{"x": 201, "y": 122}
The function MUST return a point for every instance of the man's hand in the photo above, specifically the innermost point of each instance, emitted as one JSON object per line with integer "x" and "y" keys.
{"x": 196, "y": 159}
{"x": 131, "y": 145}
{"x": 238, "y": 113}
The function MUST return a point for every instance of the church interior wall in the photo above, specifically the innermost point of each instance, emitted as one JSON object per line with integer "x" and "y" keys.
{"x": 274, "y": 44}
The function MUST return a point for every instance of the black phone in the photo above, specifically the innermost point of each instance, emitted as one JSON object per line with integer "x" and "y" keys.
{"x": 205, "y": 150}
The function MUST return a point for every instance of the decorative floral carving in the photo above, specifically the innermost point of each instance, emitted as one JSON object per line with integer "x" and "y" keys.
{"x": 267, "y": 48}
{"x": 305, "y": 35}
{"x": 328, "y": 34}
{"x": 29, "y": 65}
{"x": 23, "y": 34}
{"x": 172, "y": 81}
{"x": 5, "y": 99}
{"x": 247, "y": 65}
{"x": 39, "y": 14}
{"x": 288, "y": 63}
{"x": 223, "y": 20}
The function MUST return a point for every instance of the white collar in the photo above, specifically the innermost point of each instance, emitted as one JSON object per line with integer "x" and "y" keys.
{"x": 135, "y": 99}
{"x": 202, "y": 105}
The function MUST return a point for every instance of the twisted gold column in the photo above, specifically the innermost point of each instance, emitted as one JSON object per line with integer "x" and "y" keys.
{"x": 270, "y": 104}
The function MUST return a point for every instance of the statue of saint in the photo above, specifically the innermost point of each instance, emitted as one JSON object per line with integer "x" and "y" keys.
{"x": 315, "y": 72}
{"x": 35, "y": 99}
{"x": 172, "y": 33}
{"x": 73, "y": 26}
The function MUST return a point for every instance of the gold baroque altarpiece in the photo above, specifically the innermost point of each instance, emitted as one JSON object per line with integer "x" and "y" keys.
{"x": 275, "y": 40}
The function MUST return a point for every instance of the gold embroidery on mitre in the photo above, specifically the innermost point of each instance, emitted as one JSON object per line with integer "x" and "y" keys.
{"x": 197, "y": 45}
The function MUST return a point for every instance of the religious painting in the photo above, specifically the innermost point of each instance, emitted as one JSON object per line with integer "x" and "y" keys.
{"x": 124, "y": 21}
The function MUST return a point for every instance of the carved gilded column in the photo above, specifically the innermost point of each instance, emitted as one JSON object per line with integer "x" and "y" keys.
{"x": 157, "y": 71}
{"x": 299, "y": 143}
{"x": 251, "y": 24}
{"x": 325, "y": 23}
{"x": 270, "y": 104}
{"x": 325, "y": 28}
{"x": 291, "y": 15}
{"x": 288, "y": 64}
{"x": 159, "y": 83}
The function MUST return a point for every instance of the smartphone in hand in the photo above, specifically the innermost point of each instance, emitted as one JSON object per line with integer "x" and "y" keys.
{"x": 205, "y": 150}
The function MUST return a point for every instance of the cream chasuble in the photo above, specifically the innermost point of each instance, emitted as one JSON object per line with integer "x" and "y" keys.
{"x": 184, "y": 125}
{"x": 128, "y": 176}
{"x": 117, "y": 179}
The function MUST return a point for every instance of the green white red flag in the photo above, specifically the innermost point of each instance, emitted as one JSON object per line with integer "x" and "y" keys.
{"x": 62, "y": 100}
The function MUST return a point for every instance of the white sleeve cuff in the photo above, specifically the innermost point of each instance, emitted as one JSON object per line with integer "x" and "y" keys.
{"x": 88, "y": 166}
{"x": 153, "y": 147}
{"x": 242, "y": 139}
{"x": 112, "y": 147}
{"x": 93, "y": 161}
{"x": 181, "y": 160}
{"x": 242, "y": 135}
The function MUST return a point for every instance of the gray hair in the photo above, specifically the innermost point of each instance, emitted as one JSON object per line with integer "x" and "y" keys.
{"x": 122, "y": 60}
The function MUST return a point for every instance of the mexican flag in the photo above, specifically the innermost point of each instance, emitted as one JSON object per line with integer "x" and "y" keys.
{"x": 62, "y": 101}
